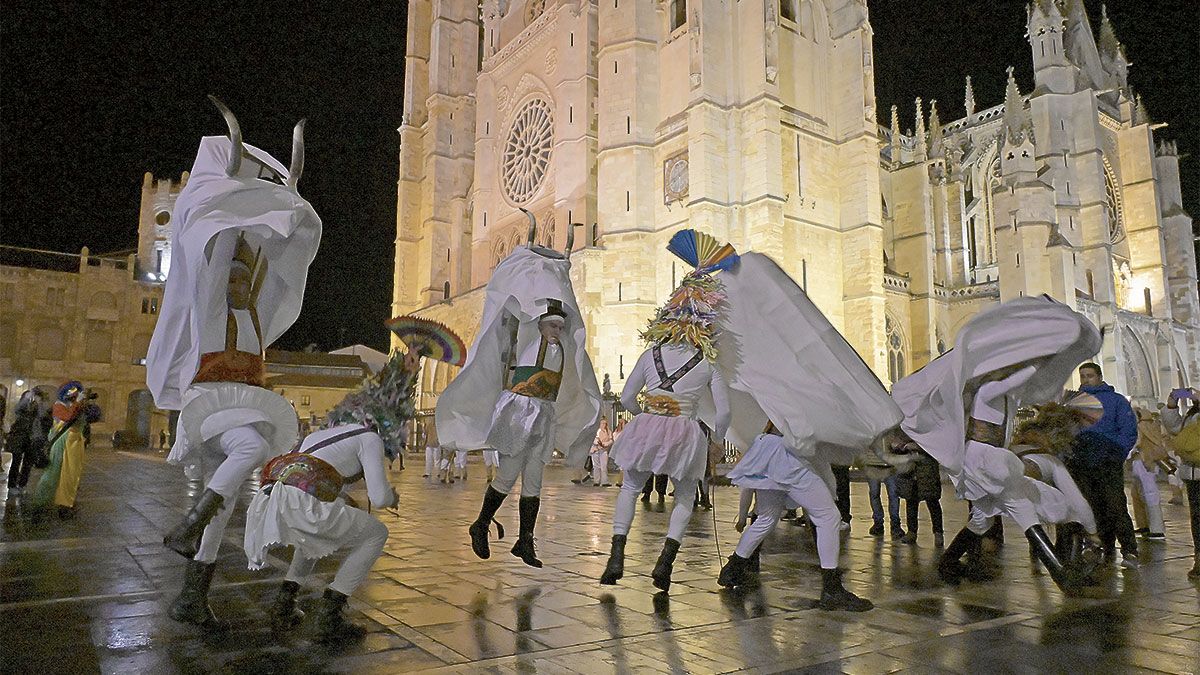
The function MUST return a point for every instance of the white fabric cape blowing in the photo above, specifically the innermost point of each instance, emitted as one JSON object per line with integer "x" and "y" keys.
{"x": 784, "y": 361}
{"x": 520, "y": 286}
{"x": 937, "y": 399}
{"x": 274, "y": 218}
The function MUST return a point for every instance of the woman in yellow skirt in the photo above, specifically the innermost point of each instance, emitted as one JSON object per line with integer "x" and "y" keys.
{"x": 73, "y": 412}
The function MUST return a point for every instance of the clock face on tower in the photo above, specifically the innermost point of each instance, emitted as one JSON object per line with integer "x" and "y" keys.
{"x": 675, "y": 178}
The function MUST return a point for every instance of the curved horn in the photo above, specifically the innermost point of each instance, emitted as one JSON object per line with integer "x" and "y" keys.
{"x": 532, "y": 225}
{"x": 571, "y": 238}
{"x": 297, "y": 167}
{"x": 235, "y": 136}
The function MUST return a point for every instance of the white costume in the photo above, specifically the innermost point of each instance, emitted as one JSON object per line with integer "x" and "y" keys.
{"x": 239, "y": 217}
{"x": 285, "y": 515}
{"x": 782, "y": 480}
{"x": 958, "y": 408}
{"x": 1019, "y": 353}
{"x": 519, "y": 392}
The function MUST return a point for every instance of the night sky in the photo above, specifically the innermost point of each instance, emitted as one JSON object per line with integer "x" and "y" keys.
{"x": 92, "y": 95}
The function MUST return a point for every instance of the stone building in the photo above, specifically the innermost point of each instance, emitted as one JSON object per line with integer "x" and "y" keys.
{"x": 314, "y": 382}
{"x": 756, "y": 122}
{"x": 89, "y": 317}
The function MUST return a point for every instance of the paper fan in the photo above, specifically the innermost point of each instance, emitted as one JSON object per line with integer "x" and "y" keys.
{"x": 1087, "y": 404}
{"x": 429, "y": 338}
{"x": 702, "y": 251}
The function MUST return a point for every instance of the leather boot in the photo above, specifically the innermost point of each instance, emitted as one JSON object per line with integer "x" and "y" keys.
{"x": 191, "y": 606}
{"x": 331, "y": 625}
{"x": 284, "y": 614}
{"x": 185, "y": 538}
{"x": 492, "y": 499}
{"x": 756, "y": 561}
{"x": 834, "y": 596}
{"x": 615, "y": 569}
{"x": 523, "y": 549}
{"x": 662, "y": 569}
{"x": 950, "y": 567}
{"x": 1069, "y": 579}
{"x": 738, "y": 571}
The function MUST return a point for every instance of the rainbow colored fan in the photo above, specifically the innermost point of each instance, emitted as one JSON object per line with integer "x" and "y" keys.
{"x": 429, "y": 338}
{"x": 1085, "y": 403}
{"x": 702, "y": 251}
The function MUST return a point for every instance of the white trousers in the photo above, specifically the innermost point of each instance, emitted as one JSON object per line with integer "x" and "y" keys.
{"x": 491, "y": 458}
{"x": 600, "y": 467}
{"x": 431, "y": 459}
{"x": 365, "y": 549}
{"x": 460, "y": 459}
{"x": 813, "y": 495}
{"x": 528, "y": 466}
{"x": 227, "y": 461}
{"x": 631, "y": 488}
{"x": 1146, "y": 489}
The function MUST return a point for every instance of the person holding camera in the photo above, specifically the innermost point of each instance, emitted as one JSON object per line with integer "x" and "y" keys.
{"x": 59, "y": 484}
{"x": 1183, "y": 427}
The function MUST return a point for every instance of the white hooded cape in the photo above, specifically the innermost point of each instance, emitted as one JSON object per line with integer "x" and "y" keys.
{"x": 784, "y": 361}
{"x": 936, "y": 400}
{"x": 209, "y": 214}
{"x": 520, "y": 287}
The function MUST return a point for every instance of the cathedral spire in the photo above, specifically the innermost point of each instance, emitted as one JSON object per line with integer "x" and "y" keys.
{"x": 1017, "y": 123}
{"x": 969, "y": 98}
{"x": 1109, "y": 44}
{"x": 895, "y": 134}
{"x": 922, "y": 146}
{"x": 935, "y": 131}
{"x": 1140, "y": 114}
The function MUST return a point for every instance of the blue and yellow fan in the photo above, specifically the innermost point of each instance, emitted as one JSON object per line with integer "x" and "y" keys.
{"x": 702, "y": 251}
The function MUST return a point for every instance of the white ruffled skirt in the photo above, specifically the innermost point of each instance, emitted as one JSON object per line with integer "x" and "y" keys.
{"x": 675, "y": 446}
{"x": 769, "y": 465}
{"x": 522, "y": 424}
{"x": 212, "y": 408}
{"x": 289, "y": 516}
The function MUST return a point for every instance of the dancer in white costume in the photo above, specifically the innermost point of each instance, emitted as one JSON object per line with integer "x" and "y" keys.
{"x": 785, "y": 362}
{"x": 958, "y": 408}
{"x": 301, "y": 503}
{"x": 527, "y": 388}
{"x": 242, "y": 243}
{"x": 679, "y": 378}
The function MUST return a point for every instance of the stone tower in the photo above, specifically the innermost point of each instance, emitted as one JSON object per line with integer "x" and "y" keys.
{"x": 154, "y": 226}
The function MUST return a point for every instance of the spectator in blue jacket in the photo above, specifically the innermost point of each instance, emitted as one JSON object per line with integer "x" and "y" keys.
{"x": 1098, "y": 465}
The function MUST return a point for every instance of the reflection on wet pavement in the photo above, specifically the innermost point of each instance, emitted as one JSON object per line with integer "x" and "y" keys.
{"x": 90, "y": 595}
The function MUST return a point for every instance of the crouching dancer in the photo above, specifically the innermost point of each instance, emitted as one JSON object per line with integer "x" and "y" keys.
{"x": 301, "y": 502}
{"x": 781, "y": 479}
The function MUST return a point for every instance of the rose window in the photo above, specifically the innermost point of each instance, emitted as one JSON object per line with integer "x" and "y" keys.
{"x": 527, "y": 151}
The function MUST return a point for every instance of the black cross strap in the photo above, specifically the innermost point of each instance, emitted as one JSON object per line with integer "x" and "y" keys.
{"x": 667, "y": 382}
{"x": 335, "y": 439}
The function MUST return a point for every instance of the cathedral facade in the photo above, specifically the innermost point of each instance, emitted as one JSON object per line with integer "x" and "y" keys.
{"x": 623, "y": 121}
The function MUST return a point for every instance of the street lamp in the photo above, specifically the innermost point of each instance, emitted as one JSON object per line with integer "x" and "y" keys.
{"x": 19, "y": 382}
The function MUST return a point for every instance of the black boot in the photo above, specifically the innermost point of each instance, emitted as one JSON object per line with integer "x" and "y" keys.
{"x": 192, "y": 604}
{"x": 492, "y": 499}
{"x": 662, "y": 569}
{"x": 737, "y": 572}
{"x": 185, "y": 538}
{"x": 756, "y": 560}
{"x": 834, "y": 596}
{"x": 284, "y": 614}
{"x": 950, "y": 567}
{"x": 331, "y": 625}
{"x": 615, "y": 569}
{"x": 523, "y": 549}
{"x": 1070, "y": 578}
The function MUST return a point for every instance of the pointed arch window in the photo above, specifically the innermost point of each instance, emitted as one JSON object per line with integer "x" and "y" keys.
{"x": 678, "y": 13}
{"x": 895, "y": 349}
{"x": 1113, "y": 205}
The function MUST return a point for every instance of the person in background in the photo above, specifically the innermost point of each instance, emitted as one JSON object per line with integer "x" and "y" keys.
{"x": 1098, "y": 461}
{"x": 600, "y": 448}
{"x": 1144, "y": 464}
{"x": 27, "y": 437}
{"x": 1183, "y": 427}
{"x": 877, "y": 479}
{"x": 73, "y": 413}
{"x": 841, "y": 477}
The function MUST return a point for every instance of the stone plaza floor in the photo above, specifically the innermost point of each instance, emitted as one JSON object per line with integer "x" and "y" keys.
{"x": 90, "y": 595}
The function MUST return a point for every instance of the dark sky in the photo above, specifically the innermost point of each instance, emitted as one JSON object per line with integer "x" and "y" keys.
{"x": 92, "y": 95}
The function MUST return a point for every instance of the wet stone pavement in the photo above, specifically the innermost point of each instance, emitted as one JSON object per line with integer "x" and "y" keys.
{"x": 90, "y": 595}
